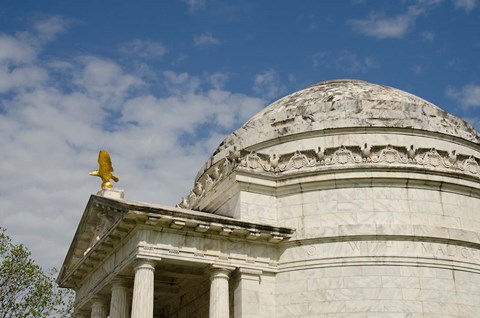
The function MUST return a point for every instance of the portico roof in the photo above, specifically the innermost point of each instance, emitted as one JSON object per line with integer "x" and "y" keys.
{"x": 108, "y": 221}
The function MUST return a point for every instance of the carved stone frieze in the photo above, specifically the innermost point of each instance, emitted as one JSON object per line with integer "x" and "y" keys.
{"x": 343, "y": 156}
{"x": 389, "y": 154}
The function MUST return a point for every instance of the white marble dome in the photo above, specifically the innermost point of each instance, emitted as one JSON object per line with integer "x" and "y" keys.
{"x": 350, "y": 113}
{"x": 382, "y": 189}
{"x": 345, "y": 104}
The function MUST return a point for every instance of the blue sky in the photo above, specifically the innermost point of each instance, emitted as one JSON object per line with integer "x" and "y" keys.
{"x": 160, "y": 83}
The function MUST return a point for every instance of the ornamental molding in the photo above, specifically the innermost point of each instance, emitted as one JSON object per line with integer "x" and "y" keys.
{"x": 342, "y": 157}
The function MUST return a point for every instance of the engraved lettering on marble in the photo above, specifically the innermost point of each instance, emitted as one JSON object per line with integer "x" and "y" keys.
{"x": 410, "y": 249}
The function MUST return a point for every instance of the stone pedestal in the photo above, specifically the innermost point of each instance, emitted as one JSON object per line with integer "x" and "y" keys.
{"x": 99, "y": 308}
{"x": 119, "y": 303}
{"x": 219, "y": 294}
{"x": 142, "y": 304}
{"x": 112, "y": 193}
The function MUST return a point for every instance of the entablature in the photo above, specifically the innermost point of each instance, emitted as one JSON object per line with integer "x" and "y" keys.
{"x": 108, "y": 223}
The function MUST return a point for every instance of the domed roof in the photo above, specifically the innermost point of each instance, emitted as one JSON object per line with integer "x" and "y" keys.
{"x": 346, "y": 104}
{"x": 340, "y": 126}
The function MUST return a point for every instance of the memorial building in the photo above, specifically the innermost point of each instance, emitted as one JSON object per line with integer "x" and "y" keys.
{"x": 344, "y": 199}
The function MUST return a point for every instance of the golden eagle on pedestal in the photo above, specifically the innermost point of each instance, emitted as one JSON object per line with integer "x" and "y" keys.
{"x": 105, "y": 170}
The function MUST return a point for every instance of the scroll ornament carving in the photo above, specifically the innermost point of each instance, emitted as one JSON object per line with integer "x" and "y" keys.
{"x": 338, "y": 157}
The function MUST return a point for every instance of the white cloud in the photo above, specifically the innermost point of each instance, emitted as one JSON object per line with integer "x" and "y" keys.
{"x": 181, "y": 83}
{"x": 18, "y": 54}
{"x": 344, "y": 60}
{"x": 267, "y": 84}
{"x": 105, "y": 79}
{"x": 195, "y": 5}
{"x": 218, "y": 80}
{"x": 21, "y": 77}
{"x": 465, "y": 5}
{"x": 467, "y": 96}
{"x": 381, "y": 26}
{"x": 14, "y": 51}
{"x": 427, "y": 36}
{"x": 50, "y": 138}
{"x": 417, "y": 69}
{"x": 48, "y": 29}
{"x": 205, "y": 39}
{"x": 144, "y": 49}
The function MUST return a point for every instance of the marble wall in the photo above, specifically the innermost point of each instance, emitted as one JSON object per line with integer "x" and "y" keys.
{"x": 378, "y": 291}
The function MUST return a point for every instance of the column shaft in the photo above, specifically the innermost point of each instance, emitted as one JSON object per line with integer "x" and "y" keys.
{"x": 99, "y": 309}
{"x": 119, "y": 302}
{"x": 219, "y": 295}
{"x": 142, "y": 304}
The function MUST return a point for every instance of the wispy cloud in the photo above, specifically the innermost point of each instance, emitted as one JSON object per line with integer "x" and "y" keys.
{"x": 195, "y": 5}
{"x": 381, "y": 26}
{"x": 267, "y": 84}
{"x": 417, "y": 70}
{"x": 467, "y": 96}
{"x": 48, "y": 29}
{"x": 18, "y": 54}
{"x": 143, "y": 49}
{"x": 427, "y": 36}
{"x": 218, "y": 79}
{"x": 344, "y": 60}
{"x": 205, "y": 39}
{"x": 465, "y": 5}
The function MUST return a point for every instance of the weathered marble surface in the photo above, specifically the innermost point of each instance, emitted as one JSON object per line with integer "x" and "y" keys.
{"x": 349, "y": 103}
{"x": 342, "y": 104}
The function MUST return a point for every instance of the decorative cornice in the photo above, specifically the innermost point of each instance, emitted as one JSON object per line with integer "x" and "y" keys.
{"x": 342, "y": 157}
{"x": 211, "y": 224}
{"x": 107, "y": 222}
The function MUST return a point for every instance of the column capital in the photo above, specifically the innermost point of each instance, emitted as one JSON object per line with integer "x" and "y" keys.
{"x": 144, "y": 263}
{"x": 98, "y": 300}
{"x": 121, "y": 281}
{"x": 220, "y": 271}
{"x": 99, "y": 308}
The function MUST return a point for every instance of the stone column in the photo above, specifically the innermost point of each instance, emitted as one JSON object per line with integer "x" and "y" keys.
{"x": 119, "y": 301}
{"x": 142, "y": 304}
{"x": 219, "y": 295}
{"x": 99, "y": 308}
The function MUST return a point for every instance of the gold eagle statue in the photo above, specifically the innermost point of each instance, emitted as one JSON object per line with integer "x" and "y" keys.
{"x": 105, "y": 170}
